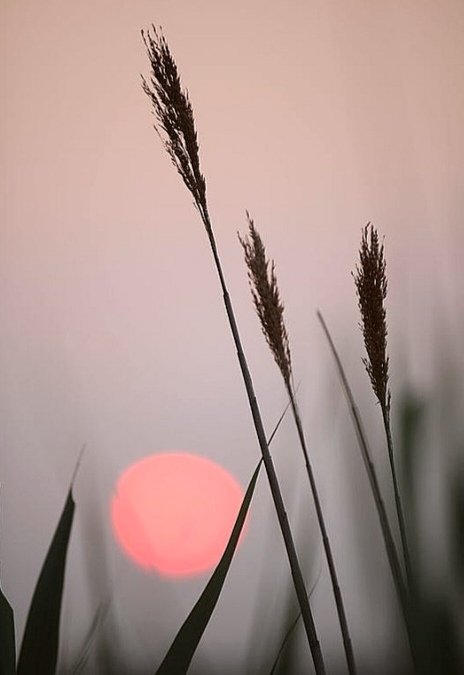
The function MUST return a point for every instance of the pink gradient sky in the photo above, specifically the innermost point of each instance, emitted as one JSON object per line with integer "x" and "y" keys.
{"x": 317, "y": 117}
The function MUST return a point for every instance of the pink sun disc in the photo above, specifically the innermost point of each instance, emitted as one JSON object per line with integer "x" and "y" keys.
{"x": 174, "y": 512}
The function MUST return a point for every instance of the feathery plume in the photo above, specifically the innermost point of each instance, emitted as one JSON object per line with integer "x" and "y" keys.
{"x": 270, "y": 310}
{"x": 266, "y": 298}
{"x": 175, "y": 123}
{"x": 371, "y": 286}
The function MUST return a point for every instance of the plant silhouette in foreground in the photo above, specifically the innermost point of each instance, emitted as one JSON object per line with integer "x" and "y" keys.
{"x": 429, "y": 602}
{"x": 270, "y": 310}
{"x": 176, "y": 127}
{"x": 371, "y": 286}
{"x": 392, "y": 553}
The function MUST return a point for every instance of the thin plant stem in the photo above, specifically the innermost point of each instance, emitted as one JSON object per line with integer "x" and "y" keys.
{"x": 391, "y": 550}
{"x": 270, "y": 310}
{"x": 287, "y": 637}
{"x": 398, "y": 504}
{"x": 175, "y": 124}
{"x": 291, "y": 629}
{"x": 347, "y": 644}
{"x": 297, "y": 576}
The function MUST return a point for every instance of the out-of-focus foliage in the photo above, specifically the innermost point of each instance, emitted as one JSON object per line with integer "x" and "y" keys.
{"x": 435, "y": 598}
{"x": 7, "y": 637}
{"x": 39, "y": 649}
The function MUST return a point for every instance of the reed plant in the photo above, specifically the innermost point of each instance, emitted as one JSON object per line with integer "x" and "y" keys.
{"x": 270, "y": 310}
{"x": 371, "y": 286}
{"x": 434, "y": 632}
{"x": 366, "y": 454}
{"x": 175, "y": 125}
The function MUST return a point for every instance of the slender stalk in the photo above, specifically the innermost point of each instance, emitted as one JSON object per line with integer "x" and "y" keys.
{"x": 347, "y": 644}
{"x": 270, "y": 310}
{"x": 297, "y": 576}
{"x": 391, "y": 550}
{"x": 398, "y": 504}
{"x": 176, "y": 127}
{"x": 291, "y": 629}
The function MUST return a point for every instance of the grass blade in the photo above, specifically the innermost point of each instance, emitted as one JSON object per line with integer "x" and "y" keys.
{"x": 280, "y": 420}
{"x": 277, "y": 661}
{"x": 251, "y": 485}
{"x": 289, "y": 633}
{"x": 89, "y": 640}
{"x": 180, "y": 654}
{"x": 391, "y": 550}
{"x": 39, "y": 648}
{"x": 7, "y": 637}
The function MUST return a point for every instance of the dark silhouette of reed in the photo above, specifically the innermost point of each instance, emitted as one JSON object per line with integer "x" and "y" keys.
{"x": 175, "y": 125}
{"x": 371, "y": 286}
{"x": 270, "y": 311}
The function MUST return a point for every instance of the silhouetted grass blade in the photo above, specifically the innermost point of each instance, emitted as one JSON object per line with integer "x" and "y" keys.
{"x": 90, "y": 637}
{"x": 280, "y": 664}
{"x": 7, "y": 637}
{"x": 180, "y": 654}
{"x": 39, "y": 649}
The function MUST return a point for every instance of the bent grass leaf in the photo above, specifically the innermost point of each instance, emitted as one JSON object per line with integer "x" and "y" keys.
{"x": 39, "y": 649}
{"x": 180, "y": 654}
{"x": 188, "y": 638}
{"x": 91, "y": 636}
{"x": 277, "y": 665}
{"x": 7, "y": 637}
{"x": 283, "y": 646}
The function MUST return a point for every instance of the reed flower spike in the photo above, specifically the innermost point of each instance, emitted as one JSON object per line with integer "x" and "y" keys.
{"x": 175, "y": 123}
{"x": 266, "y": 298}
{"x": 371, "y": 286}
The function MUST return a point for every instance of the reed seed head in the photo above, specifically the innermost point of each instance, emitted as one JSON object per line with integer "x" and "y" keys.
{"x": 371, "y": 286}
{"x": 173, "y": 113}
{"x": 266, "y": 298}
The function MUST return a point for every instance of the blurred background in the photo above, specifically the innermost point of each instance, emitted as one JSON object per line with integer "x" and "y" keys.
{"x": 315, "y": 116}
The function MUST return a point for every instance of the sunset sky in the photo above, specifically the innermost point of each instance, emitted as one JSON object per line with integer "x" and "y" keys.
{"x": 317, "y": 116}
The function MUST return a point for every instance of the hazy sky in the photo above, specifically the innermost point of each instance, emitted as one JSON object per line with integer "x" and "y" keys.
{"x": 317, "y": 116}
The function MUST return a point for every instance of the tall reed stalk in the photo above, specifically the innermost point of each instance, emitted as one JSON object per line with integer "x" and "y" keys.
{"x": 270, "y": 310}
{"x": 371, "y": 286}
{"x": 176, "y": 127}
{"x": 392, "y": 553}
